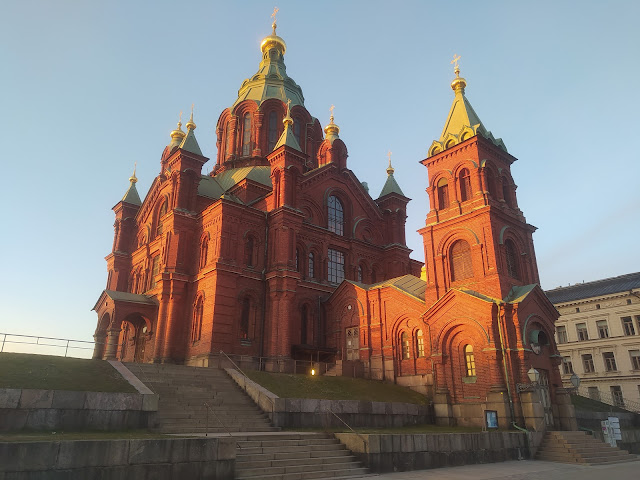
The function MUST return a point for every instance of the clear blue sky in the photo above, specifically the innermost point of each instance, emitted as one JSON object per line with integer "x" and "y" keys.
{"x": 88, "y": 88}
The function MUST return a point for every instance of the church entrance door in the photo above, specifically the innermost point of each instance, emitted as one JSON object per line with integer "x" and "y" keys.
{"x": 140, "y": 343}
{"x": 545, "y": 398}
{"x": 353, "y": 343}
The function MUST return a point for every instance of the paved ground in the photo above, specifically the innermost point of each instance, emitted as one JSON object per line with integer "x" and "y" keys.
{"x": 523, "y": 470}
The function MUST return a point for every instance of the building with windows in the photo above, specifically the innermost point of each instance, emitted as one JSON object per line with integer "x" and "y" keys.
{"x": 281, "y": 252}
{"x": 598, "y": 337}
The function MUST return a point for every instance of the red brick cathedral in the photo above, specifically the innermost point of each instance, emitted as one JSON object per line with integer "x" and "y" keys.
{"x": 281, "y": 252}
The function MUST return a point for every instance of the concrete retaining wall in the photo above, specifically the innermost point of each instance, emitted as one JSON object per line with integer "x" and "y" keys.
{"x": 68, "y": 410}
{"x": 309, "y": 412}
{"x": 630, "y": 423}
{"x": 118, "y": 459}
{"x": 406, "y": 452}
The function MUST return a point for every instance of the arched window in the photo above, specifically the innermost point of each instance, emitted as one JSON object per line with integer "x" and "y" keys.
{"x": 229, "y": 149}
{"x": 491, "y": 183}
{"x": 297, "y": 127}
{"x": 512, "y": 259}
{"x": 244, "y": 318}
{"x": 420, "y": 343}
{"x": 161, "y": 213}
{"x": 335, "y": 265}
{"x": 360, "y": 273}
{"x": 465, "y": 185}
{"x": 304, "y": 326}
{"x": 249, "y": 251}
{"x": 335, "y": 215}
{"x": 404, "y": 341}
{"x": 443, "y": 194}
{"x": 312, "y": 265}
{"x": 506, "y": 191}
{"x": 204, "y": 249}
{"x": 297, "y": 259}
{"x": 246, "y": 136}
{"x": 469, "y": 361}
{"x": 461, "y": 266}
{"x": 272, "y": 131}
{"x": 196, "y": 327}
{"x": 374, "y": 275}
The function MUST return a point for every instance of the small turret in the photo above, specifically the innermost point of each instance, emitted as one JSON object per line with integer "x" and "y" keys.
{"x": 132, "y": 197}
{"x": 189, "y": 142}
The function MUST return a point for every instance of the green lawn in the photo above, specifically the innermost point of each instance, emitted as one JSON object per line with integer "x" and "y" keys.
{"x": 22, "y": 370}
{"x": 334, "y": 388}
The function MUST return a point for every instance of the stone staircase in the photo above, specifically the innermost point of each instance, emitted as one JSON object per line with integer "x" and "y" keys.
{"x": 294, "y": 456}
{"x": 184, "y": 391}
{"x": 578, "y": 447}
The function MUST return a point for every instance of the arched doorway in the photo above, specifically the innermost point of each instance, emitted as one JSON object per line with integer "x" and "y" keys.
{"x": 133, "y": 339}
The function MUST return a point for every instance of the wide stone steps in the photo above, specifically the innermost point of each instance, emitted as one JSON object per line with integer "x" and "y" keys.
{"x": 297, "y": 456}
{"x": 578, "y": 447}
{"x": 183, "y": 391}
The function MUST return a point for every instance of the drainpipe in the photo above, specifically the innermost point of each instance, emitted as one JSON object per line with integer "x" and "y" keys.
{"x": 504, "y": 359}
{"x": 264, "y": 282}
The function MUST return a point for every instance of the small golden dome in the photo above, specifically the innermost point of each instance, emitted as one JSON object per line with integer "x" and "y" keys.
{"x": 191, "y": 124}
{"x": 458, "y": 83}
{"x": 178, "y": 133}
{"x": 272, "y": 41}
{"x": 331, "y": 130}
{"x": 133, "y": 178}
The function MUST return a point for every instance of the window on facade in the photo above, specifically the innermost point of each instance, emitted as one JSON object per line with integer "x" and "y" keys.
{"x": 567, "y": 366}
{"x": 562, "y": 334}
{"x": 627, "y": 326}
{"x": 461, "y": 267}
{"x": 609, "y": 361}
{"x": 360, "y": 276}
{"x": 335, "y": 265}
{"x": 616, "y": 394}
{"x": 420, "y": 343}
{"x": 155, "y": 270}
{"x": 297, "y": 259}
{"x": 404, "y": 340}
{"x": 312, "y": 265}
{"x": 273, "y": 131}
{"x": 581, "y": 329}
{"x": 248, "y": 251}
{"x": 335, "y": 215}
{"x": 196, "y": 327}
{"x": 635, "y": 359}
{"x": 246, "y": 136}
{"x": 506, "y": 194}
{"x": 374, "y": 275}
{"x": 204, "y": 248}
{"x": 244, "y": 318}
{"x": 470, "y": 361}
{"x": 512, "y": 259}
{"x": 161, "y": 213}
{"x": 465, "y": 185}
{"x": 229, "y": 149}
{"x": 304, "y": 326}
{"x": 297, "y": 123}
{"x": 587, "y": 363}
{"x": 593, "y": 393}
{"x": 443, "y": 194}
{"x": 603, "y": 329}
{"x": 491, "y": 183}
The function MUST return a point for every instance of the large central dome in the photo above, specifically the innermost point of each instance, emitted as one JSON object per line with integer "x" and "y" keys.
{"x": 271, "y": 79}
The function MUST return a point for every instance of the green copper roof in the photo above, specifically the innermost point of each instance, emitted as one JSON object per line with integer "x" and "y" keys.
{"x": 132, "y": 196}
{"x": 190, "y": 144}
{"x": 217, "y": 186}
{"x": 288, "y": 138}
{"x": 391, "y": 186}
{"x": 130, "y": 297}
{"x": 408, "y": 284}
{"x": 271, "y": 81}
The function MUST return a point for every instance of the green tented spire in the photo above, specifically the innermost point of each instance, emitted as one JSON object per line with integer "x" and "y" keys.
{"x": 390, "y": 186}
{"x": 132, "y": 196}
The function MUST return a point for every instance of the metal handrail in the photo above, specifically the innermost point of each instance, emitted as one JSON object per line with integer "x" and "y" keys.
{"x": 364, "y": 440}
{"x": 607, "y": 398}
{"x": 206, "y": 433}
{"x": 66, "y": 346}
{"x": 238, "y": 368}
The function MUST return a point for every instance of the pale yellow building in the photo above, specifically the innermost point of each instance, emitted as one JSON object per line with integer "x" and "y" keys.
{"x": 598, "y": 337}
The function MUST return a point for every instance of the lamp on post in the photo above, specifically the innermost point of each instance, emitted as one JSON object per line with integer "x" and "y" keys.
{"x": 534, "y": 375}
{"x": 534, "y": 378}
{"x": 575, "y": 381}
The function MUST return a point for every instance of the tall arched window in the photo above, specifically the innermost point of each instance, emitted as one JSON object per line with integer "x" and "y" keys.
{"x": 196, "y": 326}
{"x": 335, "y": 268}
{"x": 491, "y": 183}
{"x": 297, "y": 259}
{"x": 469, "y": 361}
{"x": 506, "y": 191}
{"x": 297, "y": 127}
{"x": 512, "y": 259}
{"x": 335, "y": 215}
{"x": 244, "y": 318}
{"x": 443, "y": 194}
{"x": 272, "y": 131}
{"x": 404, "y": 341}
{"x": 304, "y": 326}
{"x": 420, "y": 343}
{"x": 360, "y": 276}
{"x": 461, "y": 266}
{"x": 312, "y": 265}
{"x": 246, "y": 136}
{"x": 465, "y": 185}
{"x": 161, "y": 213}
{"x": 204, "y": 249}
{"x": 248, "y": 251}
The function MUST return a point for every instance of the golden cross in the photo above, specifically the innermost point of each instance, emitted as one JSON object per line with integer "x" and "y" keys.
{"x": 456, "y": 57}
{"x": 273, "y": 15}
{"x": 331, "y": 109}
{"x": 180, "y": 118}
{"x": 389, "y": 156}
{"x": 289, "y": 107}
{"x": 192, "y": 109}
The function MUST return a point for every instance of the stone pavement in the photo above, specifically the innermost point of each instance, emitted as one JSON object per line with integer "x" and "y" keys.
{"x": 523, "y": 470}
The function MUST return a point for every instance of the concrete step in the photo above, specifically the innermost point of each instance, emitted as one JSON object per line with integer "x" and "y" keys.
{"x": 241, "y": 471}
{"x": 333, "y": 474}
{"x": 287, "y": 443}
{"x": 577, "y": 447}
{"x": 273, "y": 449}
{"x": 253, "y": 464}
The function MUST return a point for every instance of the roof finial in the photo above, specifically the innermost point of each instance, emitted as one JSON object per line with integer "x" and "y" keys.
{"x": 390, "y": 169}
{"x": 273, "y": 15}
{"x": 191, "y": 124}
{"x": 178, "y": 133}
{"x": 332, "y": 129}
{"x": 287, "y": 120}
{"x": 458, "y": 83}
{"x": 331, "y": 110}
{"x": 133, "y": 178}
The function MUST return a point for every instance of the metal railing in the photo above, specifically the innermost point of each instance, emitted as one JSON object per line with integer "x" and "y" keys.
{"x": 39, "y": 341}
{"x": 609, "y": 399}
{"x": 364, "y": 440}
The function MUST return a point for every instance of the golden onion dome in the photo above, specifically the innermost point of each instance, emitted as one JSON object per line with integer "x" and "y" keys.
{"x": 191, "y": 125}
{"x": 133, "y": 178}
{"x": 331, "y": 130}
{"x": 458, "y": 83}
{"x": 178, "y": 133}
{"x": 272, "y": 41}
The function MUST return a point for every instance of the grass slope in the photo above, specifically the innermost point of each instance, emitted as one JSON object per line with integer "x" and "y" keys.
{"x": 22, "y": 370}
{"x": 334, "y": 388}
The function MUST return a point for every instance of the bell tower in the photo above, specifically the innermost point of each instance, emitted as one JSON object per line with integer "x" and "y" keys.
{"x": 475, "y": 236}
